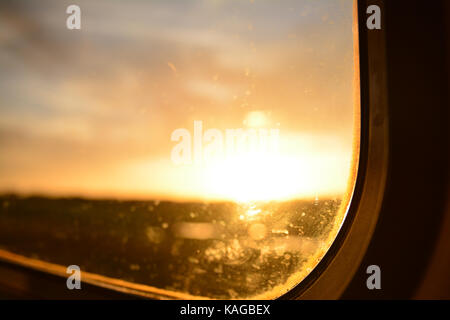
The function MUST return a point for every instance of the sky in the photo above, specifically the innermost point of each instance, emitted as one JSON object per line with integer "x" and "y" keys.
{"x": 91, "y": 112}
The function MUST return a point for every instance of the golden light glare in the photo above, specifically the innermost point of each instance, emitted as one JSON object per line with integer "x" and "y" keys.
{"x": 256, "y": 119}
{"x": 299, "y": 170}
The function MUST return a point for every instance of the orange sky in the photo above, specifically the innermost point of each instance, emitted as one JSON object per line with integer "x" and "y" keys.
{"x": 91, "y": 112}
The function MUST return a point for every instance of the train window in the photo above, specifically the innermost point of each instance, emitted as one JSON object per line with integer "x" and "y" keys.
{"x": 200, "y": 148}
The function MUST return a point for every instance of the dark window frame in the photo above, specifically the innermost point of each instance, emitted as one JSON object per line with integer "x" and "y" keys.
{"x": 335, "y": 271}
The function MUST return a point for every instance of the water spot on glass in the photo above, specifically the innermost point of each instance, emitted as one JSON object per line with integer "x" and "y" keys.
{"x": 257, "y": 231}
{"x": 154, "y": 234}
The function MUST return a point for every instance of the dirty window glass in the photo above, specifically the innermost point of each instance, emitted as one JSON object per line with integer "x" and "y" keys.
{"x": 202, "y": 148}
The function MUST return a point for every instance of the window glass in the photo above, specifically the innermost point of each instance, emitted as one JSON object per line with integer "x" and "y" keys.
{"x": 202, "y": 147}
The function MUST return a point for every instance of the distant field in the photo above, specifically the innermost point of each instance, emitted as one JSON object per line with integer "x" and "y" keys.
{"x": 220, "y": 250}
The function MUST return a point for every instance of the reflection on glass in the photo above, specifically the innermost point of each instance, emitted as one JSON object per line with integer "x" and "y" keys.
{"x": 203, "y": 147}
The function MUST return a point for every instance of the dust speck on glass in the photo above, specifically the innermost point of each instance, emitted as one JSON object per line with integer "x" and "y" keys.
{"x": 205, "y": 148}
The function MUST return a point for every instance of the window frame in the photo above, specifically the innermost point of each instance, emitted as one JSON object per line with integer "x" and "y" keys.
{"x": 331, "y": 276}
{"x": 334, "y": 272}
